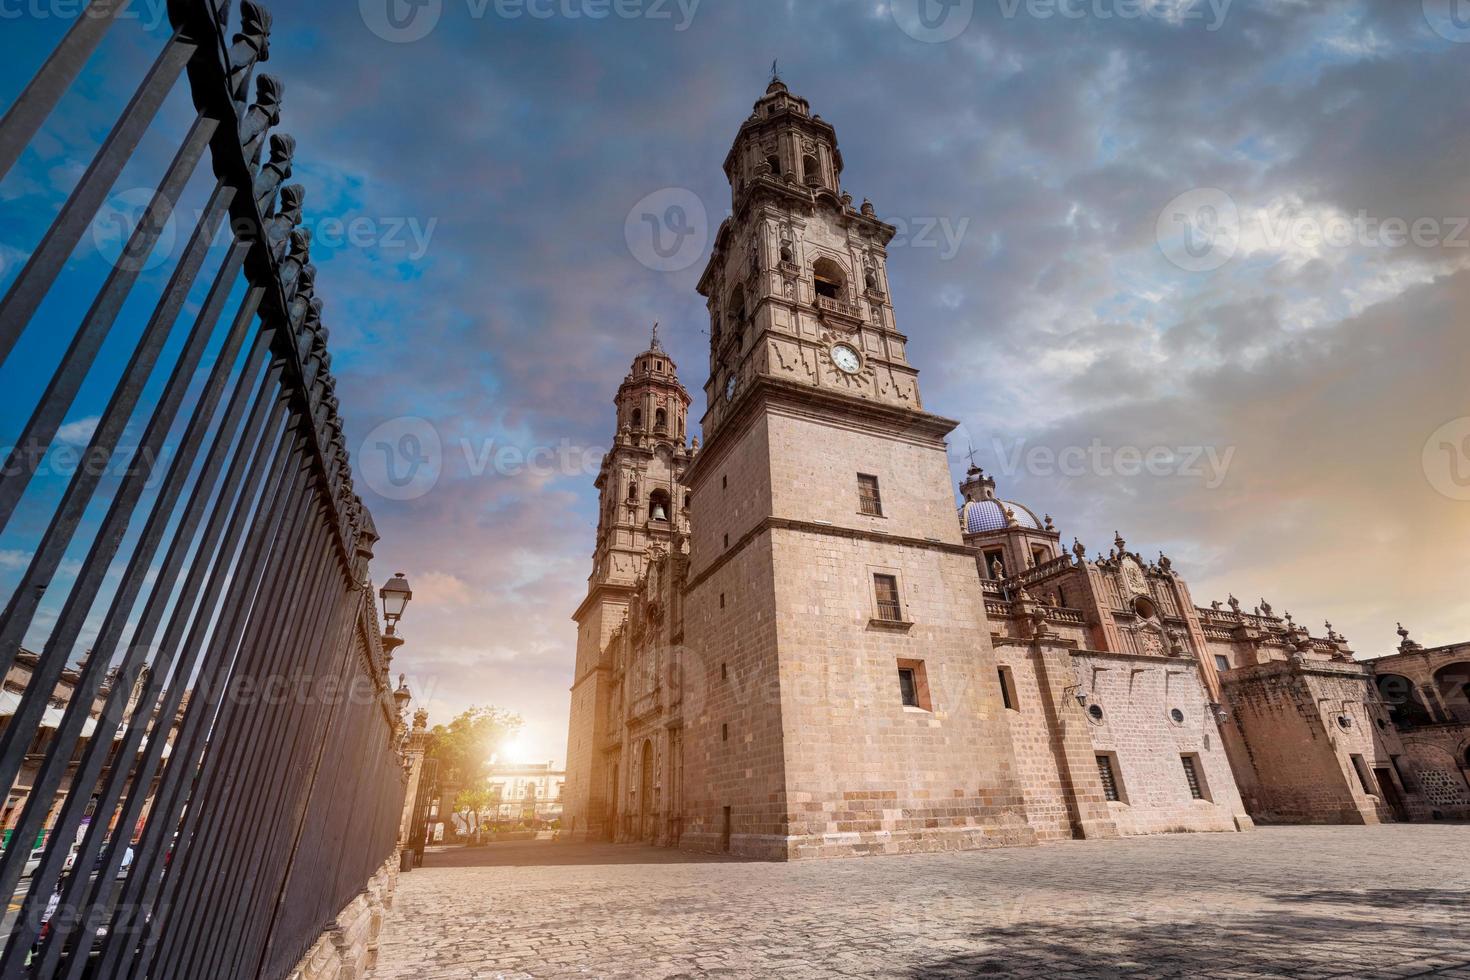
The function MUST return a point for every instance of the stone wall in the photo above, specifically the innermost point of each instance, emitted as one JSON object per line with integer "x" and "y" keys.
{"x": 1140, "y": 730}
{"x": 1298, "y": 726}
{"x": 349, "y": 949}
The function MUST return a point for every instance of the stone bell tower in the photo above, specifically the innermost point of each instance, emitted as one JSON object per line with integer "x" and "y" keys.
{"x": 642, "y": 502}
{"x": 830, "y": 593}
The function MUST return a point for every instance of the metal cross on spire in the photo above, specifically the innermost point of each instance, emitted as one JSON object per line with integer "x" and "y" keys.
{"x": 653, "y": 345}
{"x": 775, "y": 70}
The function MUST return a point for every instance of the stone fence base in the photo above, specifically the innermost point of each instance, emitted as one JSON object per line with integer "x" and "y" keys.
{"x": 349, "y": 949}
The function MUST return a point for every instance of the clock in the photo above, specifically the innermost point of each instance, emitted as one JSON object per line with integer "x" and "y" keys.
{"x": 846, "y": 359}
{"x": 730, "y": 388}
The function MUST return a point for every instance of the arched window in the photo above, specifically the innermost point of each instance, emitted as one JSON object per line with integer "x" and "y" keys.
{"x": 736, "y": 306}
{"x": 633, "y": 490}
{"x": 1452, "y": 681}
{"x": 1401, "y": 698}
{"x": 787, "y": 255}
{"x": 660, "y": 421}
{"x": 828, "y": 278}
{"x": 870, "y": 280}
{"x": 658, "y": 506}
{"x": 774, "y": 162}
{"x": 811, "y": 171}
{"x": 637, "y": 418}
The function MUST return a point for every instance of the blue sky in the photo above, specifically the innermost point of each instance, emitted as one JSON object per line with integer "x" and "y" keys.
{"x": 470, "y": 189}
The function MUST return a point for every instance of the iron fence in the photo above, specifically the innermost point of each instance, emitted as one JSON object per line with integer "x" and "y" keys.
{"x": 224, "y": 774}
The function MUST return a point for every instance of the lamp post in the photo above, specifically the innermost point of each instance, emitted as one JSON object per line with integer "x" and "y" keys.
{"x": 395, "y": 594}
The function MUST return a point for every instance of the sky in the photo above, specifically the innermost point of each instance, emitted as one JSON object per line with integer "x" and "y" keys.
{"x": 1197, "y": 272}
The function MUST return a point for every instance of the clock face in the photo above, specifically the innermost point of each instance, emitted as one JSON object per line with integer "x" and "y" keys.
{"x": 730, "y": 387}
{"x": 846, "y": 359}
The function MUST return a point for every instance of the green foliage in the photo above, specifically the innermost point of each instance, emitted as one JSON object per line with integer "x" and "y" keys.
{"x": 465, "y": 745}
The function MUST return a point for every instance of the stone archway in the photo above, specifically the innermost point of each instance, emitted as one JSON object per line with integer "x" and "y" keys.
{"x": 1452, "y": 684}
{"x": 647, "y": 818}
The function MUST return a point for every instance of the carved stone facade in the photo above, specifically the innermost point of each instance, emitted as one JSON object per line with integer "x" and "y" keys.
{"x": 808, "y": 656}
{"x": 643, "y": 512}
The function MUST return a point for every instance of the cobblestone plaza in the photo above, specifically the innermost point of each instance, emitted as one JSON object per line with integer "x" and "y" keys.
{"x": 1386, "y": 901}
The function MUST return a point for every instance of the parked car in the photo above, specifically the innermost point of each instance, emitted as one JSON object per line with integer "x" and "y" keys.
{"x": 33, "y": 862}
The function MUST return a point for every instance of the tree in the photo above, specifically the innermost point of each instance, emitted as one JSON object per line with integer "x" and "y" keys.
{"x": 465, "y": 745}
{"x": 464, "y": 748}
{"x": 469, "y": 803}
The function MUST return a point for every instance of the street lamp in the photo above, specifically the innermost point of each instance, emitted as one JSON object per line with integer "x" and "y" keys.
{"x": 395, "y": 594}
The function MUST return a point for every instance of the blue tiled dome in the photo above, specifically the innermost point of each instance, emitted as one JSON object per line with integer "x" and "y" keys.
{"x": 989, "y": 515}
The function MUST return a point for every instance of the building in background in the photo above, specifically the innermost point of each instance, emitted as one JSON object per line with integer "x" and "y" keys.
{"x": 526, "y": 793}
{"x": 15, "y": 683}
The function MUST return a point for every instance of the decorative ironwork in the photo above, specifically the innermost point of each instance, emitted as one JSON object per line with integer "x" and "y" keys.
{"x": 228, "y": 744}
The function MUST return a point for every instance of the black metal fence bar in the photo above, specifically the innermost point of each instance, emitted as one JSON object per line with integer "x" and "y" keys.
{"x": 240, "y": 722}
{"x": 24, "y": 118}
{"x": 131, "y": 668}
{"x": 84, "y": 484}
{"x": 41, "y": 269}
{"x": 242, "y": 780}
{"x": 64, "y": 634}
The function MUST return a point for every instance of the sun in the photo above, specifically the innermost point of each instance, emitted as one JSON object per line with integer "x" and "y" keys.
{"x": 514, "y": 751}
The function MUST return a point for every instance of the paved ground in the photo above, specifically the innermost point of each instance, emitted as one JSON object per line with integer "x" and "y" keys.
{"x": 1299, "y": 902}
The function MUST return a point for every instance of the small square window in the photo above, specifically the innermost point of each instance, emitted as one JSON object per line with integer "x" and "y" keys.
{"x": 722, "y": 600}
{"x": 886, "y": 589}
{"x": 727, "y": 541}
{"x": 724, "y": 672}
{"x": 724, "y": 733}
{"x": 1222, "y": 662}
{"x": 870, "y": 502}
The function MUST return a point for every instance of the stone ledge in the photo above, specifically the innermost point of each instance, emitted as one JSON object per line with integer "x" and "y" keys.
{"x": 349, "y": 950}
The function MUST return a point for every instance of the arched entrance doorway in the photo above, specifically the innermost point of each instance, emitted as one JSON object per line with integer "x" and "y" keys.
{"x": 645, "y": 794}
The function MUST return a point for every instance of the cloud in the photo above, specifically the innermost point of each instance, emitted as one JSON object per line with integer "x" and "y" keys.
{"x": 1055, "y": 142}
{"x": 79, "y": 432}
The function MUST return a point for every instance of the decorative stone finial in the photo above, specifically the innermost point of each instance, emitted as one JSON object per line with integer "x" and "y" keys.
{"x": 1050, "y": 526}
{"x": 1265, "y": 607}
{"x": 1119, "y": 543}
{"x": 1233, "y": 603}
{"x": 1080, "y": 550}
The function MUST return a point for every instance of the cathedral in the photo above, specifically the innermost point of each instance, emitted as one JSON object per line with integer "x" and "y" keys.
{"x": 794, "y": 645}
